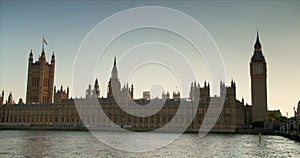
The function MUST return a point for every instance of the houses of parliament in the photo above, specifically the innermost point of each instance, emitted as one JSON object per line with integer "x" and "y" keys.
{"x": 49, "y": 106}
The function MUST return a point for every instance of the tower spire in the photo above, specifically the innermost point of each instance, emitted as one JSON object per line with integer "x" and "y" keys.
{"x": 257, "y": 46}
{"x": 115, "y": 62}
{"x": 114, "y": 72}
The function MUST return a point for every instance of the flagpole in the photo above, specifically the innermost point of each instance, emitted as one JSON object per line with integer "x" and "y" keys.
{"x": 43, "y": 42}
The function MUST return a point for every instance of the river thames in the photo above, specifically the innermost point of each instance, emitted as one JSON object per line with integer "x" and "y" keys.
{"x": 43, "y": 143}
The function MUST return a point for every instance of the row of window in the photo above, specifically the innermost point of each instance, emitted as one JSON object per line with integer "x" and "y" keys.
{"x": 36, "y": 82}
{"x": 46, "y": 82}
{"x": 38, "y": 119}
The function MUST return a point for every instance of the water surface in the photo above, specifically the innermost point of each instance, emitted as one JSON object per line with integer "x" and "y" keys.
{"x": 29, "y": 143}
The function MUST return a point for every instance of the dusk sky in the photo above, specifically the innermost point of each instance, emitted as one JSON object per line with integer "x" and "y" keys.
{"x": 231, "y": 24}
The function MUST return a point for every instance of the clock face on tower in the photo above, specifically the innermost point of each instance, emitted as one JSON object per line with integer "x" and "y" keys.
{"x": 258, "y": 68}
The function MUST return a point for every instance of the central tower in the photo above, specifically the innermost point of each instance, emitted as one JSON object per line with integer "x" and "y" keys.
{"x": 114, "y": 85}
{"x": 258, "y": 72}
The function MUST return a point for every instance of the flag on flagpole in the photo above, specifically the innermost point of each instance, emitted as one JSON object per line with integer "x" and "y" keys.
{"x": 45, "y": 41}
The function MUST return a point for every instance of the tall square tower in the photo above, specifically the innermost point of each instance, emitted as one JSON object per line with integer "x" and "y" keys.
{"x": 258, "y": 73}
{"x": 40, "y": 80}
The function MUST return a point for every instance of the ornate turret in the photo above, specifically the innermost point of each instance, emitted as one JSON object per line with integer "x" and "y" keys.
{"x": 68, "y": 89}
{"x": 61, "y": 95}
{"x": 30, "y": 57}
{"x": 165, "y": 95}
{"x": 205, "y": 93}
{"x": 88, "y": 92}
{"x": 96, "y": 89}
{"x": 298, "y": 110}
{"x": 233, "y": 83}
{"x": 176, "y": 96}
{"x": 2, "y": 98}
{"x": 43, "y": 56}
{"x": 131, "y": 91}
{"x": 10, "y": 99}
{"x": 21, "y": 101}
{"x": 222, "y": 88}
{"x": 195, "y": 92}
{"x": 232, "y": 90}
{"x": 53, "y": 58}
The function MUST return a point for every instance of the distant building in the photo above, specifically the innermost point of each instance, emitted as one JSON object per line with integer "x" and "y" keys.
{"x": 40, "y": 111}
{"x": 93, "y": 93}
{"x": 63, "y": 112}
{"x": 40, "y": 80}
{"x": 146, "y": 95}
{"x": 61, "y": 94}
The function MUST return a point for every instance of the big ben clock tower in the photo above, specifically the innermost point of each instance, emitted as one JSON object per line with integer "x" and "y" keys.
{"x": 258, "y": 72}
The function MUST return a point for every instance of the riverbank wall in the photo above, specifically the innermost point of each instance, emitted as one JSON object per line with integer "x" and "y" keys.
{"x": 290, "y": 135}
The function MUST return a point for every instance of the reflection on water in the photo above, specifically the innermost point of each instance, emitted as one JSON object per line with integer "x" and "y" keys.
{"x": 82, "y": 144}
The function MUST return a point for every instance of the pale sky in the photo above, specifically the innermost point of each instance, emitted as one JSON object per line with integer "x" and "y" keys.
{"x": 231, "y": 24}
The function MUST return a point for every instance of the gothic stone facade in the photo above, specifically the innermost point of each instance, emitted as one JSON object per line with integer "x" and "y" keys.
{"x": 40, "y": 80}
{"x": 66, "y": 113}
{"x": 40, "y": 111}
